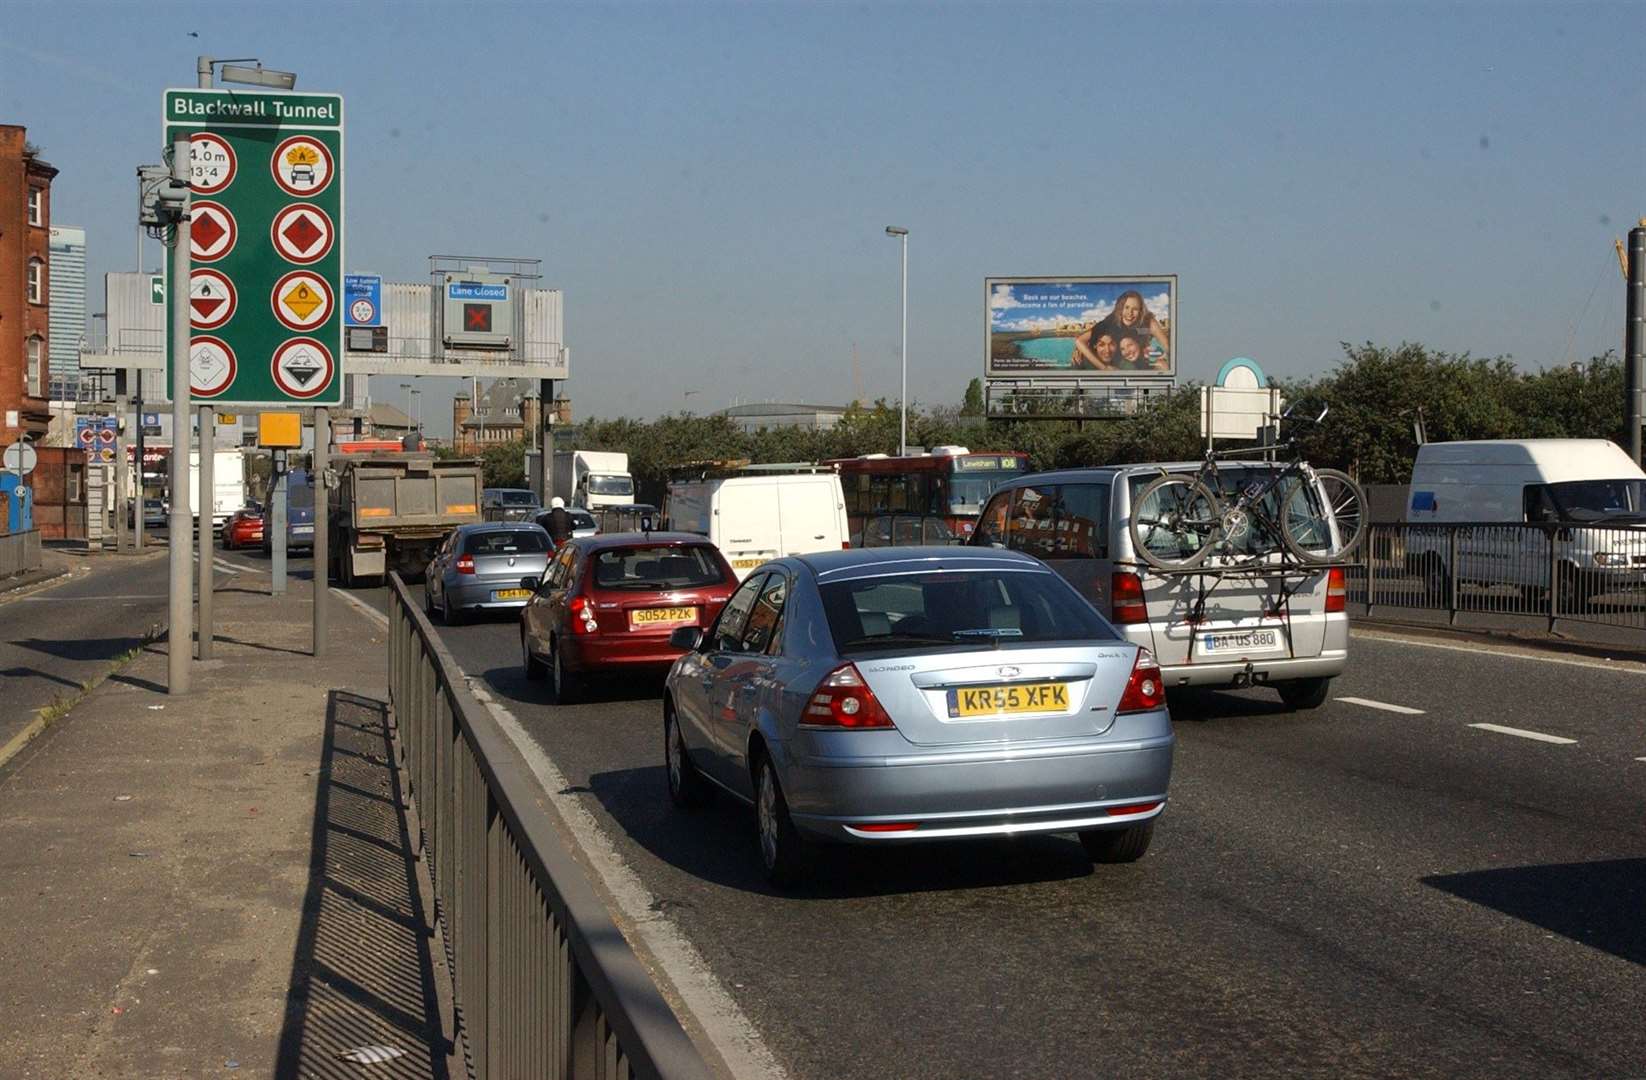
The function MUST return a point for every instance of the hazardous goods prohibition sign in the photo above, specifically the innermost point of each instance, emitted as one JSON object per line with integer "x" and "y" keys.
{"x": 302, "y": 166}
{"x": 211, "y": 366}
{"x": 302, "y": 367}
{"x": 211, "y": 163}
{"x": 212, "y": 299}
{"x": 212, "y": 231}
{"x": 302, "y": 300}
{"x": 302, "y": 233}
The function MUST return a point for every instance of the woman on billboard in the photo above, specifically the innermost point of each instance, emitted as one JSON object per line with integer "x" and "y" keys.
{"x": 1094, "y": 351}
{"x": 1130, "y": 316}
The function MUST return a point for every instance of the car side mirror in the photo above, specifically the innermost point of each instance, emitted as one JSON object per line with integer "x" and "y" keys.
{"x": 686, "y": 638}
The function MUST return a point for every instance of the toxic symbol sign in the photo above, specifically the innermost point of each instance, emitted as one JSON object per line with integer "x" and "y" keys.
{"x": 211, "y": 366}
{"x": 302, "y": 165}
{"x": 302, "y": 367}
{"x": 302, "y": 300}
{"x": 302, "y": 233}
{"x": 212, "y": 231}
{"x": 212, "y": 299}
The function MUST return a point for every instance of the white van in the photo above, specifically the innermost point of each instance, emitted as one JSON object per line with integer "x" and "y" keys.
{"x": 755, "y": 518}
{"x": 1517, "y": 483}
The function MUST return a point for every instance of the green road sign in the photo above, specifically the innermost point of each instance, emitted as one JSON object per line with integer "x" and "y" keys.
{"x": 266, "y": 245}
{"x": 157, "y": 290}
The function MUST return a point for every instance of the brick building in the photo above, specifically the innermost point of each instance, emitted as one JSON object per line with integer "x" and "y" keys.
{"x": 25, "y": 284}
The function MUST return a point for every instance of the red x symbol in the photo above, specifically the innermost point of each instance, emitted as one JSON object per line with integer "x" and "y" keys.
{"x": 477, "y": 317}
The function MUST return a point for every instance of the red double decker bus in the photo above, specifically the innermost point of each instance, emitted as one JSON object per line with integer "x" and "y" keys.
{"x": 950, "y": 483}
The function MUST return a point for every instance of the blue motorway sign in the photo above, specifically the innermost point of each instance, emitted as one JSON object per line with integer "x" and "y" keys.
{"x": 362, "y": 300}
{"x": 468, "y": 290}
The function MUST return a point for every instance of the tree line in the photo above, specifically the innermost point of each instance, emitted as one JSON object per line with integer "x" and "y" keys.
{"x": 1376, "y": 397}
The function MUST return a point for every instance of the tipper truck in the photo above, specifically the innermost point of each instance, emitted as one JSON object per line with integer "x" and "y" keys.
{"x": 390, "y": 511}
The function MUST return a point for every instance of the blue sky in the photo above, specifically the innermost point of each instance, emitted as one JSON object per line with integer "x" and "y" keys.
{"x": 709, "y": 183}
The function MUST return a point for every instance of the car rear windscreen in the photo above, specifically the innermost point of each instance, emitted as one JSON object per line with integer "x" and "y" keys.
{"x": 974, "y": 607}
{"x": 506, "y": 542}
{"x": 662, "y": 567}
{"x": 518, "y": 498}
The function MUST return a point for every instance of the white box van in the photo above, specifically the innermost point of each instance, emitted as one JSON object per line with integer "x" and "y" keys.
{"x": 755, "y": 518}
{"x": 1526, "y": 487}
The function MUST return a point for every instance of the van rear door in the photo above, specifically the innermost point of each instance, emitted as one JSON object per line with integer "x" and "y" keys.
{"x": 810, "y": 510}
{"x": 747, "y": 523}
{"x": 1229, "y": 615}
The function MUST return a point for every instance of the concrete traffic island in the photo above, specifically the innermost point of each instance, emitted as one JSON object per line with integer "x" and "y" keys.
{"x": 223, "y": 880}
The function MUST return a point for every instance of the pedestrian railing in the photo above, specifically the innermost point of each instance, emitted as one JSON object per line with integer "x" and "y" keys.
{"x": 545, "y": 984}
{"x": 1582, "y": 573}
{"x": 19, "y": 552}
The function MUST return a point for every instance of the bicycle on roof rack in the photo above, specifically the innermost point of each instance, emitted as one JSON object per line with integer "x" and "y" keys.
{"x": 1178, "y": 520}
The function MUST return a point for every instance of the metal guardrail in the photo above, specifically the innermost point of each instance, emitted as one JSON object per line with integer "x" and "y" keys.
{"x": 19, "y": 552}
{"x": 546, "y": 986}
{"x": 1582, "y": 573}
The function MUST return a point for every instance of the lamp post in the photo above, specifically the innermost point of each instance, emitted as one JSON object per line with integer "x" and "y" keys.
{"x": 417, "y": 406}
{"x": 903, "y": 352}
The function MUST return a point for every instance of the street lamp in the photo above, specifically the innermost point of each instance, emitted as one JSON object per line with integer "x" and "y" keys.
{"x": 903, "y": 400}
{"x": 417, "y": 405}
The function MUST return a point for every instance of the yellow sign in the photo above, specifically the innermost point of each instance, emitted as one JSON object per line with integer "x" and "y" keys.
{"x": 226, "y": 418}
{"x": 302, "y": 155}
{"x": 302, "y": 300}
{"x": 993, "y": 700}
{"x": 280, "y": 429}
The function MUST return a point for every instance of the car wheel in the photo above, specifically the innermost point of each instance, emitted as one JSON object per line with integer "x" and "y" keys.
{"x": 1118, "y": 845}
{"x": 568, "y": 688}
{"x": 781, "y": 847}
{"x": 535, "y": 670}
{"x": 687, "y": 787}
{"x": 449, "y": 615}
{"x": 428, "y": 603}
{"x": 1304, "y": 693}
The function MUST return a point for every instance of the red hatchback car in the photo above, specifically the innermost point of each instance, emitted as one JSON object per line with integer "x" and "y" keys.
{"x": 243, "y": 529}
{"x": 608, "y": 603}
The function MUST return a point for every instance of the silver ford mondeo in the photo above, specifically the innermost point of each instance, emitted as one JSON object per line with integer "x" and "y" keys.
{"x": 899, "y": 695}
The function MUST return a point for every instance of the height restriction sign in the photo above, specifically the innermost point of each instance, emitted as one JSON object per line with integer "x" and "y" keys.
{"x": 266, "y": 170}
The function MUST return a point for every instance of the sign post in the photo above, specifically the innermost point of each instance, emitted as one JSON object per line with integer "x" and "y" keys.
{"x": 264, "y": 324}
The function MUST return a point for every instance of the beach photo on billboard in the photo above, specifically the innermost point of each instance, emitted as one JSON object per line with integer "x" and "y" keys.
{"x": 1081, "y": 327}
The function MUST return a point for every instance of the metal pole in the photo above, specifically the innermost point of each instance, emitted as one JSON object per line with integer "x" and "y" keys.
{"x": 137, "y": 455}
{"x": 206, "y": 500}
{"x": 275, "y": 527}
{"x": 903, "y": 403}
{"x": 121, "y": 471}
{"x": 322, "y": 525}
{"x": 1634, "y": 342}
{"x": 545, "y": 453}
{"x": 181, "y": 539}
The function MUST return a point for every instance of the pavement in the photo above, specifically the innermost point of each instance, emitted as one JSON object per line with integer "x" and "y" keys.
{"x": 222, "y": 881}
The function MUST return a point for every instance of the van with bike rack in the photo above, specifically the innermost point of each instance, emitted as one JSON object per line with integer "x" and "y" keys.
{"x": 1231, "y": 572}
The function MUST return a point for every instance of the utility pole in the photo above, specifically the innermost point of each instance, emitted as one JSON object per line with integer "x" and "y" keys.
{"x": 1634, "y": 341}
{"x": 206, "y": 497}
{"x": 182, "y": 529}
{"x": 122, "y": 472}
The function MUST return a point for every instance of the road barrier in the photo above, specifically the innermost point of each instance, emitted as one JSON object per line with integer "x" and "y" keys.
{"x": 545, "y": 984}
{"x": 1581, "y": 573}
{"x": 19, "y": 552}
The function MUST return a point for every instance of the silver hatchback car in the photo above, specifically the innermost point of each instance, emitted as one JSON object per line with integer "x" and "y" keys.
{"x": 481, "y": 567}
{"x": 913, "y": 694}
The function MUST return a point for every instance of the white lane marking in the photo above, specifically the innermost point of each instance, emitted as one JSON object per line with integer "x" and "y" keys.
{"x": 226, "y": 567}
{"x": 1628, "y": 666}
{"x": 96, "y": 599}
{"x": 1640, "y": 759}
{"x": 361, "y": 606}
{"x": 1384, "y": 705}
{"x": 1524, "y": 734}
{"x": 722, "y": 1022}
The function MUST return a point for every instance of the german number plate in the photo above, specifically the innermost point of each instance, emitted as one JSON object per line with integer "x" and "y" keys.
{"x": 1241, "y": 641}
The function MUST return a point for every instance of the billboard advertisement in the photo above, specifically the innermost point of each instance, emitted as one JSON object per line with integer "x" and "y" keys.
{"x": 1087, "y": 327}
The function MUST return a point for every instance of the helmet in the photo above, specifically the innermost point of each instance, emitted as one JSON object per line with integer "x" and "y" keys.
{"x": 556, "y": 503}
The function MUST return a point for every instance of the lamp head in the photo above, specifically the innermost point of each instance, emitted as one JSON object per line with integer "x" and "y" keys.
{"x": 894, "y": 230}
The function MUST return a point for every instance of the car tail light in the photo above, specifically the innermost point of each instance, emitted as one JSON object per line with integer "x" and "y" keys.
{"x": 845, "y": 545}
{"x": 1145, "y": 692}
{"x": 887, "y": 826}
{"x": 465, "y": 564}
{"x": 844, "y": 700}
{"x": 1336, "y": 590}
{"x": 582, "y": 613}
{"x": 1126, "y": 598}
